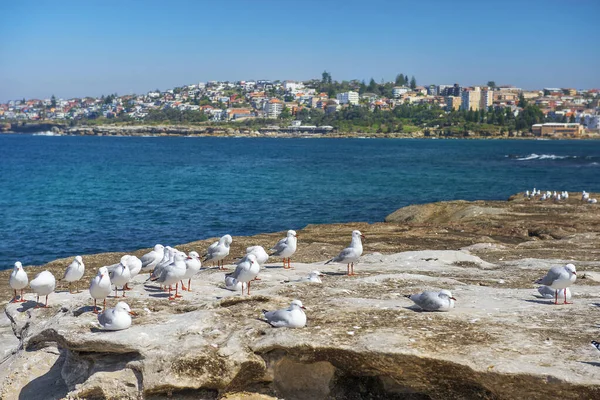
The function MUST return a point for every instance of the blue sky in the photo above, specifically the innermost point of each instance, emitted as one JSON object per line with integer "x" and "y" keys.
{"x": 79, "y": 48}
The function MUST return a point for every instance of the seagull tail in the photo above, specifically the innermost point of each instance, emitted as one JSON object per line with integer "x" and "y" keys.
{"x": 327, "y": 262}
{"x": 265, "y": 311}
{"x": 407, "y": 295}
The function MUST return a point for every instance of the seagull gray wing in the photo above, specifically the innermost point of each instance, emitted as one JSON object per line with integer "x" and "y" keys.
{"x": 347, "y": 252}
{"x": 552, "y": 275}
{"x": 429, "y": 301}
{"x": 280, "y": 246}
{"x": 148, "y": 259}
{"x": 105, "y": 319}
{"x": 277, "y": 318}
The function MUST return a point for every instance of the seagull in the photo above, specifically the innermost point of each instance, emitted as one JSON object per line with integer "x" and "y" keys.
{"x": 261, "y": 256}
{"x": 192, "y": 266}
{"x": 433, "y": 301}
{"x": 135, "y": 266}
{"x": 313, "y": 276}
{"x": 18, "y": 281}
{"x": 596, "y": 345}
{"x": 119, "y": 276}
{"x": 592, "y": 201}
{"x": 100, "y": 287}
{"x": 559, "y": 278}
{"x": 218, "y": 251}
{"x": 350, "y": 254}
{"x": 42, "y": 285}
{"x": 74, "y": 272}
{"x": 548, "y": 293}
{"x": 233, "y": 284}
{"x": 172, "y": 274}
{"x": 292, "y": 317}
{"x": 285, "y": 248}
{"x": 116, "y": 319}
{"x": 151, "y": 259}
{"x": 168, "y": 258}
{"x": 585, "y": 196}
{"x": 246, "y": 271}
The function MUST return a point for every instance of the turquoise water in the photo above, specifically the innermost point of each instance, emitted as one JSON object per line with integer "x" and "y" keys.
{"x": 62, "y": 196}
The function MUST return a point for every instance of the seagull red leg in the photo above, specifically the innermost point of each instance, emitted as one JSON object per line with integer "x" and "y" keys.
{"x": 566, "y": 302}
{"x": 95, "y": 308}
{"x": 14, "y": 300}
{"x": 22, "y": 299}
{"x": 176, "y": 292}
{"x": 555, "y": 297}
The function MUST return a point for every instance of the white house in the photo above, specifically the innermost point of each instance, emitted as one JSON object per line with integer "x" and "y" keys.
{"x": 348, "y": 98}
{"x": 398, "y": 91}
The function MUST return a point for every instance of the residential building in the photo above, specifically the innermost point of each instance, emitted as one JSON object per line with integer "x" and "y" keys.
{"x": 331, "y": 106}
{"x": 432, "y": 90}
{"x": 454, "y": 90}
{"x": 273, "y": 108}
{"x": 470, "y": 99}
{"x": 398, "y": 91}
{"x": 557, "y": 129}
{"x": 348, "y": 98}
{"x": 486, "y": 98}
{"x": 453, "y": 103}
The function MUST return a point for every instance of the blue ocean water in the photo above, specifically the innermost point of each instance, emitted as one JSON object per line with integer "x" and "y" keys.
{"x": 68, "y": 195}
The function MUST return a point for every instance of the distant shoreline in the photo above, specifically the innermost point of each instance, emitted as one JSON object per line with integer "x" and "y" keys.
{"x": 215, "y": 131}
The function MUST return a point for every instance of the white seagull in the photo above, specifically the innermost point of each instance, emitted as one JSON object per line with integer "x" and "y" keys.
{"x": 172, "y": 274}
{"x": 559, "y": 278}
{"x": 42, "y": 285}
{"x": 18, "y": 281}
{"x": 74, "y": 272}
{"x": 433, "y": 301}
{"x": 261, "y": 256}
{"x": 116, "y": 319}
{"x": 292, "y": 317}
{"x": 120, "y": 276}
{"x": 286, "y": 248}
{"x": 218, "y": 251}
{"x": 246, "y": 271}
{"x": 313, "y": 277}
{"x": 100, "y": 287}
{"x": 233, "y": 284}
{"x": 151, "y": 259}
{"x": 350, "y": 254}
{"x": 192, "y": 266}
{"x": 135, "y": 266}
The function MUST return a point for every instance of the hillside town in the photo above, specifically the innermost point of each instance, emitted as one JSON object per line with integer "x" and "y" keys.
{"x": 566, "y": 111}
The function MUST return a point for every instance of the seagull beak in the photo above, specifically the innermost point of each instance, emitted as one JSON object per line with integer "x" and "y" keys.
{"x": 362, "y": 236}
{"x": 304, "y": 308}
{"x": 296, "y": 235}
{"x": 132, "y": 313}
{"x": 453, "y": 298}
{"x": 574, "y": 273}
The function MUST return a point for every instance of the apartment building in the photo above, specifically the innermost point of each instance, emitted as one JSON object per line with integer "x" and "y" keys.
{"x": 348, "y": 98}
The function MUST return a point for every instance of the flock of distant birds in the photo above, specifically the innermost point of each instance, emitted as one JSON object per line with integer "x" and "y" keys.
{"x": 564, "y": 195}
{"x": 169, "y": 266}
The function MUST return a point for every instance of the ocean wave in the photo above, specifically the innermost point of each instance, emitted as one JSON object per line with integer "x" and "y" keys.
{"x": 534, "y": 156}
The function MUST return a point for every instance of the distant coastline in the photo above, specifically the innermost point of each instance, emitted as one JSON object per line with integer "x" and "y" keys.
{"x": 52, "y": 129}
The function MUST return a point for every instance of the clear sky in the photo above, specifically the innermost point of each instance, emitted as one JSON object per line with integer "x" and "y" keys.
{"x": 79, "y": 48}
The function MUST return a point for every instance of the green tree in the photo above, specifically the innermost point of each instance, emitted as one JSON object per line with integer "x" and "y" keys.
{"x": 522, "y": 102}
{"x": 413, "y": 83}
{"x": 285, "y": 113}
{"x": 572, "y": 119}
{"x": 373, "y": 88}
{"x": 326, "y": 78}
{"x": 491, "y": 84}
{"x": 400, "y": 80}
{"x": 53, "y": 102}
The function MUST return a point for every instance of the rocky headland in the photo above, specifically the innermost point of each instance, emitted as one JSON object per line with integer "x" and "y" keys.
{"x": 363, "y": 338}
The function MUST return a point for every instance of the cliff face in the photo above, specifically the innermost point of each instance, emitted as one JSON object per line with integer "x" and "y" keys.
{"x": 363, "y": 338}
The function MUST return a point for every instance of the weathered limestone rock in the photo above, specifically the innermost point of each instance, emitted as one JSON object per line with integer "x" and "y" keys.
{"x": 363, "y": 338}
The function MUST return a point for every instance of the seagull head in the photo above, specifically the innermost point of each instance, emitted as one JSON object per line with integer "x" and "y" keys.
{"x": 102, "y": 272}
{"x": 122, "y": 306}
{"x": 571, "y": 269}
{"x": 292, "y": 233}
{"x": 79, "y": 259}
{"x": 124, "y": 259}
{"x": 447, "y": 293}
{"x": 298, "y": 304}
{"x": 357, "y": 233}
{"x": 18, "y": 265}
{"x": 315, "y": 273}
{"x": 194, "y": 255}
{"x": 227, "y": 239}
{"x": 251, "y": 258}
{"x": 159, "y": 248}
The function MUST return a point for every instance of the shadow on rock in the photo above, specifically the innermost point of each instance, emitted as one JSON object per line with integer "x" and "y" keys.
{"x": 85, "y": 309}
{"x": 49, "y": 386}
{"x": 28, "y": 305}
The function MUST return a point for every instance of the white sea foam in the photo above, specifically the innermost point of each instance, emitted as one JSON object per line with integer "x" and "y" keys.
{"x": 534, "y": 156}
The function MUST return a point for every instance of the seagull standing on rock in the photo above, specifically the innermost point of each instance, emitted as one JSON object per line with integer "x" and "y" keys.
{"x": 559, "y": 278}
{"x": 261, "y": 256}
{"x": 218, "y": 251}
{"x": 192, "y": 266}
{"x": 18, "y": 281}
{"x": 433, "y": 301}
{"x": 286, "y": 248}
{"x": 135, "y": 266}
{"x": 120, "y": 276}
{"x": 292, "y": 317}
{"x": 42, "y": 285}
{"x": 246, "y": 271}
{"x": 172, "y": 274}
{"x": 151, "y": 259}
{"x": 74, "y": 273}
{"x": 116, "y": 319}
{"x": 350, "y": 254}
{"x": 100, "y": 287}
